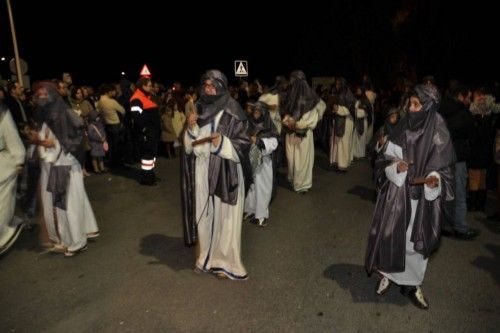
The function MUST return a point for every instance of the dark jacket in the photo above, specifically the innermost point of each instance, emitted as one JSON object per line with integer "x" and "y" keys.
{"x": 460, "y": 124}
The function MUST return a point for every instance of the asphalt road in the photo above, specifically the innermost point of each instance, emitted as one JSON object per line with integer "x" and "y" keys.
{"x": 306, "y": 269}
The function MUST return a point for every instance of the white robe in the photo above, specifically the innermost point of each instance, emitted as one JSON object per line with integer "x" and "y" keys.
{"x": 415, "y": 264}
{"x": 72, "y": 225}
{"x": 341, "y": 148}
{"x": 219, "y": 224}
{"x": 359, "y": 140}
{"x": 300, "y": 150}
{"x": 259, "y": 195}
{"x": 12, "y": 154}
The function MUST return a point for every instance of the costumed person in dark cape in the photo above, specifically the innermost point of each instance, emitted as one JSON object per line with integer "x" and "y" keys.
{"x": 342, "y": 106}
{"x": 360, "y": 125}
{"x": 264, "y": 138}
{"x": 273, "y": 100}
{"x": 380, "y": 138}
{"x": 67, "y": 212}
{"x": 363, "y": 120}
{"x": 415, "y": 178}
{"x": 303, "y": 109}
{"x": 216, "y": 172}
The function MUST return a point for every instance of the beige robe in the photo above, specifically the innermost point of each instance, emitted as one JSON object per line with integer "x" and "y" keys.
{"x": 341, "y": 148}
{"x": 12, "y": 154}
{"x": 300, "y": 150}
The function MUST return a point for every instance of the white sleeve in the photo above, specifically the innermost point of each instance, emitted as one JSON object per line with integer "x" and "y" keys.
{"x": 392, "y": 174}
{"x": 13, "y": 143}
{"x": 394, "y": 150}
{"x": 49, "y": 155}
{"x": 360, "y": 113}
{"x": 343, "y": 111}
{"x": 308, "y": 120}
{"x": 321, "y": 107}
{"x": 189, "y": 136}
{"x": 432, "y": 193}
{"x": 271, "y": 144}
{"x": 225, "y": 150}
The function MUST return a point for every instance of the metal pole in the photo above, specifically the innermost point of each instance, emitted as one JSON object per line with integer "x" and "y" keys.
{"x": 14, "y": 40}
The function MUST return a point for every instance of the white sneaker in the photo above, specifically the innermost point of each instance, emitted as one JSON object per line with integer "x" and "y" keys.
{"x": 72, "y": 253}
{"x": 383, "y": 286}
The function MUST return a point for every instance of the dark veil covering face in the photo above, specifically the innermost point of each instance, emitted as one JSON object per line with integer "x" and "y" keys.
{"x": 280, "y": 88}
{"x": 300, "y": 97}
{"x": 280, "y": 85}
{"x": 264, "y": 126}
{"x": 345, "y": 95}
{"x": 429, "y": 97}
{"x": 426, "y": 143}
{"x": 388, "y": 127}
{"x": 208, "y": 106}
{"x": 62, "y": 121}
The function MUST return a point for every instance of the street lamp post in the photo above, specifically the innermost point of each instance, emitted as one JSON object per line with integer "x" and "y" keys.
{"x": 14, "y": 40}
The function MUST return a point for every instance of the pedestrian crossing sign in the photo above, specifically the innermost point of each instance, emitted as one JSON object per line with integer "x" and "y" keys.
{"x": 240, "y": 68}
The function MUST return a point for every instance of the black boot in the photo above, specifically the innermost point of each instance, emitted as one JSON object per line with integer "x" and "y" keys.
{"x": 148, "y": 178}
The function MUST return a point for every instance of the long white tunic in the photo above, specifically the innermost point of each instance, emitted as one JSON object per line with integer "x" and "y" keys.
{"x": 259, "y": 195}
{"x": 300, "y": 150}
{"x": 71, "y": 226}
{"x": 11, "y": 155}
{"x": 341, "y": 148}
{"x": 219, "y": 224}
{"x": 415, "y": 264}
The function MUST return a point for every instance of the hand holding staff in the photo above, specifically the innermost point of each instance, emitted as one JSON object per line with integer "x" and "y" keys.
{"x": 402, "y": 166}
{"x": 214, "y": 138}
{"x": 431, "y": 182}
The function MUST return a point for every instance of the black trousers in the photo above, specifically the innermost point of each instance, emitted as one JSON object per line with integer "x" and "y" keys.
{"x": 147, "y": 128}
{"x": 115, "y": 140}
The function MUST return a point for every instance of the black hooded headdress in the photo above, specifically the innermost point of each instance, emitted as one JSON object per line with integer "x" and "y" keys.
{"x": 300, "y": 97}
{"x": 66, "y": 125}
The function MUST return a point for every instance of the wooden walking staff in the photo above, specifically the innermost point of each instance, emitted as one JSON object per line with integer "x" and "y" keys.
{"x": 423, "y": 180}
{"x": 204, "y": 140}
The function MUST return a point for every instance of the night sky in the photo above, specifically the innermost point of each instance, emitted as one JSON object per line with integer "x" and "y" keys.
{"x": 102, "y": 38}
